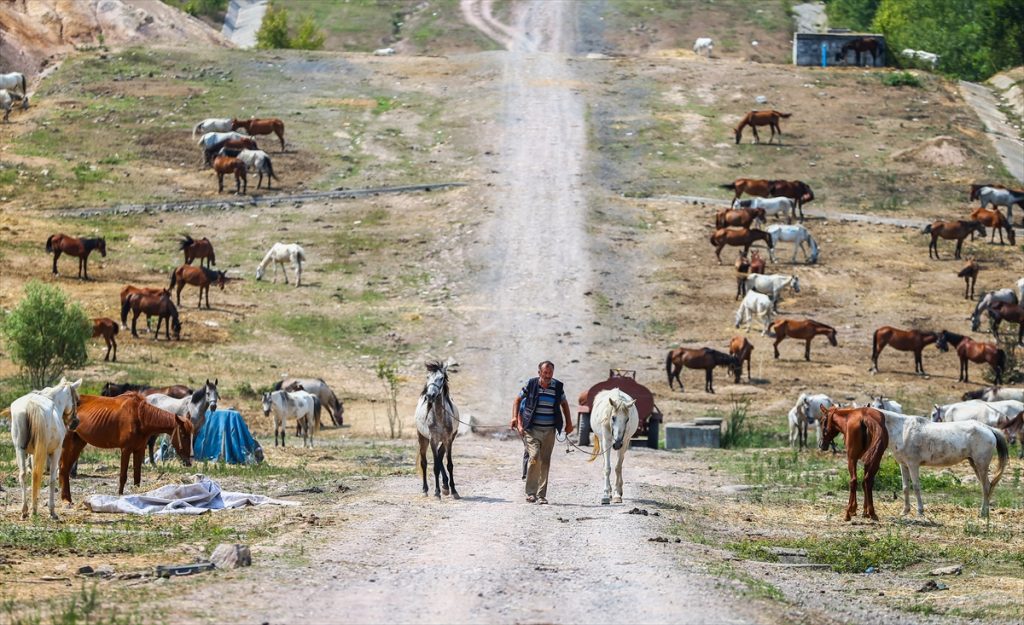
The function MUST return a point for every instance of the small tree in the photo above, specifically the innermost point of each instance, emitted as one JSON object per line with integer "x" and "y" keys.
{"x": 46, "y": 334}
{"x": 388, "y": 374}
{"x": 273, "y": 32}
{"x": 309, "y": 37}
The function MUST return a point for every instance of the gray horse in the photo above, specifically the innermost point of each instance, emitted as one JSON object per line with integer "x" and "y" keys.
{"x": 319, "y": 389}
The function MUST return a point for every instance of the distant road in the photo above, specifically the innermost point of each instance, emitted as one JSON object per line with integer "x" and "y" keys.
{"x": 1004, "y": 136}
{"x": 243, "y": 20}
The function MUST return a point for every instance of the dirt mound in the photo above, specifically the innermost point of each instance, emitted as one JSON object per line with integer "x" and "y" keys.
{"x": 38, "y": 32}
{"x": 942, "y": 151}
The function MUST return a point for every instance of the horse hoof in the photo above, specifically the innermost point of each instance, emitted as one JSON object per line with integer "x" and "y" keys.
{"x": 617, "y": 500}
{"x": 445, "y": 491}
{"x": 605, "y": 501}
{"x": 455, "y": 495}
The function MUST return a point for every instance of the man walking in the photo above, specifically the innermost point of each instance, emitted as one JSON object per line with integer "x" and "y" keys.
{"x": 538, "y": 412}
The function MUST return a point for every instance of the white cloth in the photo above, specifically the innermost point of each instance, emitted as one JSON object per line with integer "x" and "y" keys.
{"x": 202, "y": 496}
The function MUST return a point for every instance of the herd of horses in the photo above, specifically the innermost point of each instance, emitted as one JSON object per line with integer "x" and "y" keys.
{"x": 230, "y": 152}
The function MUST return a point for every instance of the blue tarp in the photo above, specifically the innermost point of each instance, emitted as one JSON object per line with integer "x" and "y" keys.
{"x": 225, "y": 438}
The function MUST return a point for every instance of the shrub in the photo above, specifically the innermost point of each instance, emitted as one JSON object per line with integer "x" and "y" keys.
{"x": 900, "y": 79}
{"x": 273, "y": 32}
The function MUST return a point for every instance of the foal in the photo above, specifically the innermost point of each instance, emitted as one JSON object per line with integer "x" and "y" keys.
{"x": 805, "y": 329}
{"x": 107, "y": 328}
{"x": 58, "y": 244}
{"x": 970, "y": 275}
{"x": 761, "y": 118}
{"x": 701, "y": 358}
{"x": 952, "y": 230}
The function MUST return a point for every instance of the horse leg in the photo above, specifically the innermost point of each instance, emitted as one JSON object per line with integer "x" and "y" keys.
{"x": 802, "y": 432}
{"x": 181, "y": 285}
{"x": 200, "y": 303}
{"x": 709, "y": 386}
{"x": 54, "y": 464}
{"x": 56, "y": 255}
{"x": 915, "y": 471}
{"x": 81, "y": 267}
{"x": 423, "y": 463}
{"x": 807, "y": 350}
{"x": 851, "y": 465}
{"x": 933, "y": 246}
{"x": 451, "y": 473}
{"x": 959, "y": 246}
{"x": 22, "y": 458}
{"x": 918, "y": 363}
{"x": 123, "y": 476}
{"x": 607, "y": 453}
{"x": 441, "y": 450}
{"x": 437, "y": 469}
{"x": 617, "y": 498}
{"x": 137, "y": 456}
{"x": 778, "y": 339}
{"x": 151, "y": 444}
{"x": 757, "y": 139}
{"x": 986, "y": 487}
{"x": 135, "y": 318}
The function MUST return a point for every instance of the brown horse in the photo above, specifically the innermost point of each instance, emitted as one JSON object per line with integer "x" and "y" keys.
{"x": 244, "y": 143}
{"x": 997, "y": 221}
{"x": 265, "y": 126}
{"x": 230, "y": 165}
{"x": 1005, "y": 311}
{"x": 969, "y": 350}
{"x": 866, "y": 439}
{"x": 740, "y": 217}
{"x": 757, "y": 262}
{"x": 970, "y": 275}
{"x": 58, "y": 244}
{"x": 905, "y": 341}
{"x": 751, "y": 186}
{"x": 859, "y": 45}
{"x": 958, "y": 230}
{"x": 159, "y": 305}
{"x": 200, "y": 277}
{"x": 131, "y": 290}
{"x": 701, "y": 358}
{"x": 124, "y": 422}
{"x": 107, "y": 328}
{"x": 796, "y": 190}
{"x": 741, "y": 348}
{"x": 738, "y": 237}
{"x": 742, "y": 265}
{"x": 110, "y": 389}
{"x": 201, "y": 249}
{"x": 760, "y": 118}
{"x": 805, "y": 329}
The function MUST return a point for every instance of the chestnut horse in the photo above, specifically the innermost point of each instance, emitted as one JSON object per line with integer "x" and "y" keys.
{"x": 866, "y": 439}
{"x": 198, "y": 249}
{"x": 951, "y": 230}
{"x": 970, "y": 275}
{"x": 760, "y": 118}
{"x": 740, "y": 217}
{"x": 751, "y": 186}
{"x": 805, "y": 329}
{"x": 110, "y": 389}
{"x": 757, "y": 262}
{"x": 255, "y": 126}
{"x": 58, "y": 244}
{"x": 738, "y": 237}
{"x": 997, "y": 221}
{"x": 701, "y": 358}
{"x": 861, "y": 44}
{"x": 124, "y": 422}
{"x": 905, "y": 341}
{"x": 131, "y": 290}
{"x": 230, "y": 165}
{"x": 741, "y": 348}
{"x": 107, "y": 328}
{"x": 969, "y": 350}
{"x": 796, "y": 190}
{"x": 200, "y": 277}
{"x": 1005, "y": 311}
{"x": 159, "y": 305}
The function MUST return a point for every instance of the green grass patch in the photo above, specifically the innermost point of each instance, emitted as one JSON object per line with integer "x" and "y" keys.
{"x": 754, "y": 588}
{"x": 82, "y": 607}
{"x": 900, "y": 79}
{"x": 850, "y": 553}
{"x": 353, "y": 332}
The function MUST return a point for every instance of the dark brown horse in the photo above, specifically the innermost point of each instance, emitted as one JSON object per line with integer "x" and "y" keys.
{"x": 701, "y": 358}
{"x": 58, "y": 244}
{"x": 131, "y": 290}
{"x": 738, "y": 237}
{"x": 750, "y": 186}
{"x": 255, "y": 126}
{"x": 796, "y": 190}
{"x": 804, "y": 329}
{"x": 230, "y": 165}
{"x": 760, "y": 118}
{"x": 1005, "y": 311}
{"x": 741, "y": 348}
{"x": 200, "y": 277}
{"x": 905, "y": 341}
{"x": 866, "y": 439}
{"x": 740, "y": 217}
{"x": 124, "y": 422}
{"x": 742, "y": 265}
{"x": 201, "y": 249}
{"x": 107, "y": 328}
{"x": 958, "y": 230}
{"x": 159, "y": 305}
{"x": 970, "y": 275}
{"x": 992, "y": 218}
{"x": 969, "y": 350}
{"x": 859, "y": 45}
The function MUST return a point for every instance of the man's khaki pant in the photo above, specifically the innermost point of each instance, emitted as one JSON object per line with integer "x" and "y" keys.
{"x": 540, "y": 441}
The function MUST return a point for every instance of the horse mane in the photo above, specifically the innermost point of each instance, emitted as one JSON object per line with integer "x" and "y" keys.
{"x": 211, "y": 274}
{"x": 436, "y": 366}
{"x": 199, "y": 395}
{"x": 954, "y": 338}
{"x": 186, "y": 242}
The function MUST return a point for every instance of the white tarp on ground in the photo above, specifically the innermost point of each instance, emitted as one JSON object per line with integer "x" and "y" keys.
{"x": 202, "y": 496}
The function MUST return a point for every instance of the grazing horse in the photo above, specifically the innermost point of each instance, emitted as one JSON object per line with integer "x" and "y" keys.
{"x": 256, "y": 161}
{"x": 129, "y": 290}
{"x": 738, "y": 237}
{"x": 613, "y": 420}
{"x": 231, "y": 165}
{"x": 986, "y": 302}
{"x": 778, "y": 206}
{"x": 107, "y": 328}
{"x": 279, "y": 254}
{"x": 703, "y": 45}
{"x": 755, "y": 305}
{"x": 859, "y": 45}
{"x": 1005, "y": 311}
{"x": 866, "y": 438}
{"x": 298, "y": 404}
{"x": 796, "y": 234}
{"x": 806, "y": 411}
{"x": 212, "y": 124}
{"x": 159, "y": 305}
{"x": 997, "y": 221}
{"x": 39, "y": 423}
{"x": 970, "y": 275}
{"x": 904, "y": 341}
{"x": 58, "y": 244}
{"x": 1001, "y": 197}
{"x": 953, "y": 230}
{"x": 701, "y": 358}
{"x": 998, "y": 414}
{"x": 7, "y": 100}
{"x": 230, "y": 147}
{"x": 969, "y": 350}
{"x": 750, "y": 186}
{"x": 773, "y": 285}
{"x": 805, "y": 329}
{"x": 201, "y": 249}
{"x": 124, "y": 422}
{"x": 741, "y": 348}
{"x": 740, "y": 218}
{"x": 200, "y": 277}
{"x": 319, "y": 389}
{"x": 437, "y": 419}
{"x": 796, "y": 190}
{"x": 255, "y": 126}
{"x": 13, "y": 82}
{"x": 761, "y": 118}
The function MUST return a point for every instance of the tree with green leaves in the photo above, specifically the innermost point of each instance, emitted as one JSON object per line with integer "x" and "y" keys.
{"x": 273, "y": 32}
{"x": 308, "y": 37}
{"x": 46, "y": 334}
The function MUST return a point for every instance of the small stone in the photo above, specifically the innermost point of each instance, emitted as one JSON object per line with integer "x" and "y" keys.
{"x": 947, "y": 570}
{"x": 231, "y": 556}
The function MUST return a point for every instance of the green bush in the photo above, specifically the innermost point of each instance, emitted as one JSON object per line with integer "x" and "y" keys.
{"x": 901, "y": 79}
{"x": 46, "y": 334}
{"x": 273, "y": 32}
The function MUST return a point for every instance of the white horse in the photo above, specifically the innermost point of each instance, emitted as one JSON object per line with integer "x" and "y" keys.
{"x": 929, "y": 57}
{"x": 757, "y": 305}
{"x": 703, "y": 45}
{"x": 279, "y": 254}
{"x": 1020, "y": 290}
{"x": 916, "y": 441}
{"x": 193, "y": 406}
{"x": 772, "y": 285}
{"x": 998, "y": 414}
{"x": 797, "y": 235}
{"x": 885, "y": 403}
{"x": 613, "y": 421}
{"x": 437, "y": 425}
{"x": 319, "y": 389}
{"x": 213, "y": 124}
{"x": 804, "y": 413}
{"x": 986, "y": 301}
{"x": 258, "y": 161}
{"x": 298, "y": 404}
{"x": 39, "y": 421}
{"x": 1001, "y": 197}
{"x": 211, "y": 139}
{"x": 780, "y": 206}
{"x": 7, "y": 100}
{"x": 14, "y": 81}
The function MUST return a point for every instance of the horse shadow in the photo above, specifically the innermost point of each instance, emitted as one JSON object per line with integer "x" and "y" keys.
{"x": 483, "y": 499}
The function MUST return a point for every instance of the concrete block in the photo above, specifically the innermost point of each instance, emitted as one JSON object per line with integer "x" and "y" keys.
{"x": 681, "y": 435}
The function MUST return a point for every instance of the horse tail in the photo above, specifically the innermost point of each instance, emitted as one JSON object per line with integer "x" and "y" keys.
{"x": 731, "y": 186}
{"x": 668, "y": 367}
{"x": 196, "y": 129}
{"x": 1003, "y": 450}
{"x": 301, "y": 255}
{"x": 317, "y": 407}
{"x": 594, "y": 438}
{"x": 874, "y": 345}
{"x": 49, "y": 243}
{"x": 24, "y": 89}
{"x": 126, "y": 303}
{"x": 783, "y": 115}
{"x": 174, "y": 278}
{"x": 185, "y": 243}
{"x": 270, "y": 168}
{"x": 1000, "y": 362}
{"x": 927, "y": 229}
{"x": 117, "y": 328}
{"x": 878, "y": 440}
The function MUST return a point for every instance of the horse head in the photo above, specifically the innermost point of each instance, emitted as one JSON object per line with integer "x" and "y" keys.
{"x": 222, "y": 279}
{"x": 936, "y": 414}
{"x": 829, "y": 427}
{"x": 266, "y": 404}
{"x": 175, "y": 325}
{"x": 101, "y": 245}
{"x": 832, "y": 337}
{"x": 620, "y": 418}
{"x": 437, "y": 381}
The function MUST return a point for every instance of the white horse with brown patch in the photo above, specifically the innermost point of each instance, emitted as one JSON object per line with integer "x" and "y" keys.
{"x": 300, "y": 405}
{"x": 613, "y": 421}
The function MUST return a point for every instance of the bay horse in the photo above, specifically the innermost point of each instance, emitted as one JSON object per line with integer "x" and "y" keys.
{"x": 613, "y": 420}
{"x": 700, "y": 358}
{"x": 159, "y": 305}
{"x": 124, "y": 422}
{"x": 740, "y": 217}
{"x": 437, "y": 419}
{"x": 58, "y": 244}
{"x": 738, "y": 237}
{"x": 805, "y": 329}
{"x": 265, "y": 126}
{"x": 970, "y": 275}
{"x": 952, "y": 230}
{"x": 231, "y": 165}
{"x": 201, "y": 249}
{"x": 741, "y": 348}
{"x": 200, "y": 277}
{"x": 997, "y": 221}
{"x": 904, "y": 341}
{"x": 969, "y": 350}
{"x": 859, "y": 45}
{"x": 751, "y": 186}
{"x": 866, "y": 439}
{"x": 742, "y": 265}
{"x": 757, "y": 262}
{"x": 797, "y": 190}
{"x": 1005, "y": 311}
{"x": 760, "y": 118}
{"x": 132, "y": 290}
{"x": 107, "y": 328}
